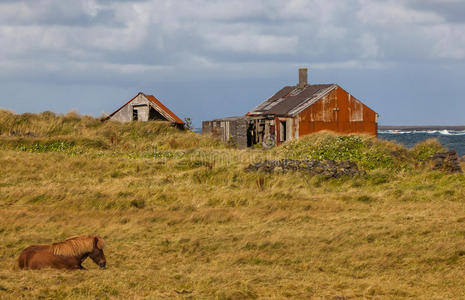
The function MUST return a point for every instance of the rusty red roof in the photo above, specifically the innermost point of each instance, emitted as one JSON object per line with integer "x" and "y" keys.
{"x": 290, "y": 100}
{"x": 157, "y": 102}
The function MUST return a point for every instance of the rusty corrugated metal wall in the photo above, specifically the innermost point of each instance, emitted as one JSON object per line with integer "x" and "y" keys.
{"x": 339, "y": 112}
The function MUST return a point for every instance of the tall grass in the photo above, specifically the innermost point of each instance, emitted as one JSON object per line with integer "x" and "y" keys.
{"x": 86, "y": 131}
{"x": 185, "y": 220}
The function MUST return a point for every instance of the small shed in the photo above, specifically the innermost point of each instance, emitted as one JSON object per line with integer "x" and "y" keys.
{"x": 231, "y": 130}
{"x": 145, "y": 108}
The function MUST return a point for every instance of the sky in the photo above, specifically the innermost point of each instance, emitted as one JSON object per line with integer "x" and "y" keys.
{"x": 207, "y": 59}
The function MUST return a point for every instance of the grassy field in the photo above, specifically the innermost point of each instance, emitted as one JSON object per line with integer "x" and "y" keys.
{"x": 182, "y": 219}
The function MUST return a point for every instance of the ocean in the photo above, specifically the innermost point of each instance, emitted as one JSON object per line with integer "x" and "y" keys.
{"x": 450, "y": 138}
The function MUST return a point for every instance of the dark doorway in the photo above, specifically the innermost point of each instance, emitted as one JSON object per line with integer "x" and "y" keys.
{"x": 283, "y": 131}
{"x": 250, "y": 135}
{"x": 135, "y": 114}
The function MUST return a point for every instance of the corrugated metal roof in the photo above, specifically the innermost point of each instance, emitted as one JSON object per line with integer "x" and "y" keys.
{"x": 290, "y": 100}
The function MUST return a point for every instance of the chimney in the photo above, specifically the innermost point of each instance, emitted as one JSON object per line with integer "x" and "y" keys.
{"x": 302, "y": 78}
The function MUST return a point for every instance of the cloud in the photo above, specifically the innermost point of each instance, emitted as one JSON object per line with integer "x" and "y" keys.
{"x": 449, "y": 41}
{"x": 253, "y": 43}
{"x": 50, "y": 12}
{"x": 369, "y": 46}
{"x": 431, "y": 36}
{"x": 452, "y": 11}
{"x": 135, "y": 37}
{"x": 394, "y": 13}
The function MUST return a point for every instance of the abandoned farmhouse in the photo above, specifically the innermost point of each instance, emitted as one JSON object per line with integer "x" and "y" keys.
{"x": 145, "y": 108}
{"x": 295, "y": 111}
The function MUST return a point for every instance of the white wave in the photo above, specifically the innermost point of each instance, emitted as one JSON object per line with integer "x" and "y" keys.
{"x": 393, "y": 131}
{"x": 452, "y": 132}
{"x": 432, "y": 132}
{"x": 445, "y": 132}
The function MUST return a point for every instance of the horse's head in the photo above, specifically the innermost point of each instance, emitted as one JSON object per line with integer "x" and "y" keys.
{"x": 97, "y": 254}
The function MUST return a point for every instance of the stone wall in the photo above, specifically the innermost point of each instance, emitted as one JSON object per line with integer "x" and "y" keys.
{"x": 447, "y": 161}
{"x": 327, "y": 168}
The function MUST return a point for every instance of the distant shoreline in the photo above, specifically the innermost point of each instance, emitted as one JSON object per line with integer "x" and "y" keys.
{"x": 422, "y": 128}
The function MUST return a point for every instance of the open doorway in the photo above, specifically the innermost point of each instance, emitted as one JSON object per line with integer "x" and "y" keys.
{"x": 251, "y": 135}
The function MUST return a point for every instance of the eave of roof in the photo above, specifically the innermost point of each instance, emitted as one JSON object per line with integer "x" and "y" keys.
{"x": 233, "y": 118}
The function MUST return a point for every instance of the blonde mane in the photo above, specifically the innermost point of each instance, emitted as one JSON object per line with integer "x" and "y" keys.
{"x": 76, "y": 245}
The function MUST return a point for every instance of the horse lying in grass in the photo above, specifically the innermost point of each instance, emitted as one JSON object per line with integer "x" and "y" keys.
{"x": 64, "y": 255}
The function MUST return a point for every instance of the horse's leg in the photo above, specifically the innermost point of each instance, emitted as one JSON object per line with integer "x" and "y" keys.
{"x": 81, "y": 260}
{"x": 71, "y": 263}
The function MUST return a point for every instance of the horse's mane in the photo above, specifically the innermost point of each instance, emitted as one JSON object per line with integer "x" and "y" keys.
{"x": 76, "y": 245}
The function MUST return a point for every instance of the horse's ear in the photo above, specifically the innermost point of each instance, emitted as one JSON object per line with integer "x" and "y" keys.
{"x": 98, "y": 242}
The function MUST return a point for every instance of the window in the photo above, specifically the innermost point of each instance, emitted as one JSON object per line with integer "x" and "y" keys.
{"x": 135, "y": 115}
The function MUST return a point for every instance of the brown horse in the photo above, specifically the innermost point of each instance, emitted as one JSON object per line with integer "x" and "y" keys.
{"x": 64, "y": 255}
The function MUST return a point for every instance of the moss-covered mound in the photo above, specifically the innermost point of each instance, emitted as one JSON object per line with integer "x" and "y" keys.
{"x": 368, "y": 152}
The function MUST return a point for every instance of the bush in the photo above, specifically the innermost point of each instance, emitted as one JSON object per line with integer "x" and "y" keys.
{"x": 368, "y": 152}
{"x": 423, "y": 151}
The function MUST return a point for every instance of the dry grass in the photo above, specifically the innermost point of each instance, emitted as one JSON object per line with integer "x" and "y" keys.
{"x": 191, "y": 223}
{"x": 84, "y": 132}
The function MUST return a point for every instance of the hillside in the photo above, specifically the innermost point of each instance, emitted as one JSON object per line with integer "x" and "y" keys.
{"x": 182, "y": 218}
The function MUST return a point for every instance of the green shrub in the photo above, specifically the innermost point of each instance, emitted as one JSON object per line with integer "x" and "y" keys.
{"x": 426, "y": 149}
{"x": 52, "y": 146}
{"x": 368, "y": 152}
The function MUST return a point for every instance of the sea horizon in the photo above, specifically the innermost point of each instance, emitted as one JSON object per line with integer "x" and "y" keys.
{"x": 421, "y": 127}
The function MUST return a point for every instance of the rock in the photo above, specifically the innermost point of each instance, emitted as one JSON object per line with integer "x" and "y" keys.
{"x": 327, "y": 168}
{"x": 447, "y": 161}
{"x": 279, "y": 170}
{"x": 30, "y": 133}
